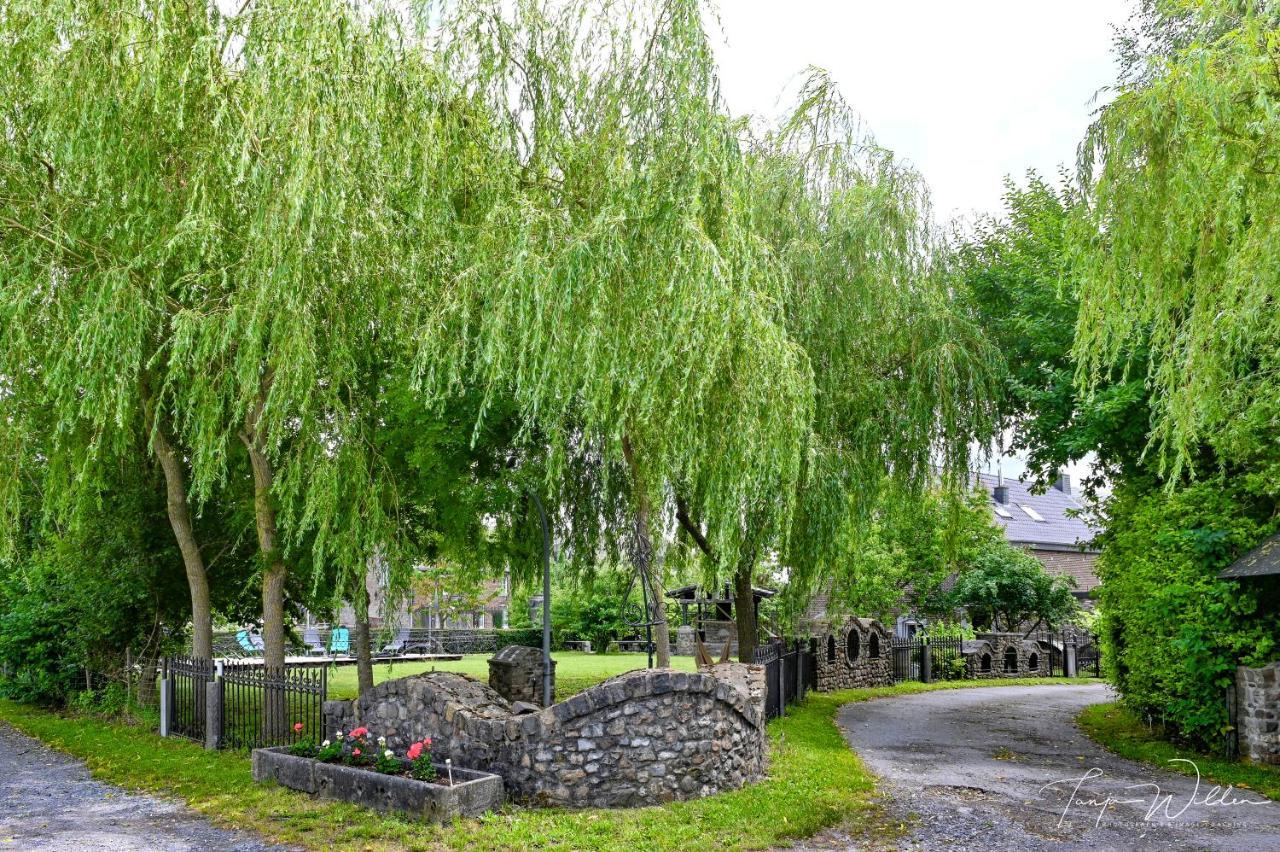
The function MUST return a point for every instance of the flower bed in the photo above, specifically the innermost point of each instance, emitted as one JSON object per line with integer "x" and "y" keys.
{"x": 352, "y": 769}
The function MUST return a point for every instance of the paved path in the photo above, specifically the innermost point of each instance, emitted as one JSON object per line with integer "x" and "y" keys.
{"x": 49, "y": 802}
{"x": 968, "y": 769}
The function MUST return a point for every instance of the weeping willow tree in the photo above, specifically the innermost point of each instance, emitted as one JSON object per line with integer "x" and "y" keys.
{"x": 622, "y": 297}
{"x": 734, "y": 335}
{"x": 92, "y": 194}
{"x": 903, "y": 381}
{"x": 1182, "y": 248}
{"x": 230, "y": 221}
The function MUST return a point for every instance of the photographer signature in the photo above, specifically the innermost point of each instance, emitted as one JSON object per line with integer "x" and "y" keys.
{"x": 1159, "y": 805}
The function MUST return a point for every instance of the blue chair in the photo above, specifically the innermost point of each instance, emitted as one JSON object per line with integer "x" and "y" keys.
{"x": 249, "y": 642}
{"x": 340, "y": 641}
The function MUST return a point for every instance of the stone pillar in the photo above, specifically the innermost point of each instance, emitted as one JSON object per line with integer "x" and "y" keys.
{"x": 516, "y": 673}
{"x": 213, "y": 714}
{"x": 686, "y": 644}
{"x": 1069, "y": 658}
{"x": 1258, "y": 713}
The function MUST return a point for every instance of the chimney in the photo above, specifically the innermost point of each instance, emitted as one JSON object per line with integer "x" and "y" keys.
{"x": 1001, "y": 493}
{"x": 1064, "y": 483}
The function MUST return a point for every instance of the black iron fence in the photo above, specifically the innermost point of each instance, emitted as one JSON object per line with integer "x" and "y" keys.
{"x": 184, "y": 695}
{"x": 240, "y": 704}
{"x": 790, "y": 671}
{"x": 263, "y": 707}
{"x": 927, "y": 659}
{"x": 946, "y": 659}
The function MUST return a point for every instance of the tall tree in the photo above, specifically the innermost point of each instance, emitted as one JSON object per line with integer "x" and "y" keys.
{"x": 1181, "y": 246}
{"x": 92, "y": 241}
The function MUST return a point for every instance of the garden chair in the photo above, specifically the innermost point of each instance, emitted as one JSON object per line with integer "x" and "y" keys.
{"x": 312, "y": 642}
{"x": 340, "y": 641}
{"x": 397, "y": 645}
{"x": 249, "y": 642}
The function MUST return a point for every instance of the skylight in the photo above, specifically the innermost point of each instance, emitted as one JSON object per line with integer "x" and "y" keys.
{"x": 1031, "y": 513}
{"x": 1002, "y": 511}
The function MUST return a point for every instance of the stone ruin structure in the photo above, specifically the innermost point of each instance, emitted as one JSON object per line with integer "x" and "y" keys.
{"x": 641, "y": 738}
{"x": 516, "y": 672}
{"x": 1258, "y": 713}
{"x": 995, "y": 655}
{"x": 854, "y": 653}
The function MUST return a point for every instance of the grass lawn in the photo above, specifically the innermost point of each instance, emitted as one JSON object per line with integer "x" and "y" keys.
{"x": 814, "y": 781}
{"x": 1122, "y": 732}
{"x": 575, "y": 670}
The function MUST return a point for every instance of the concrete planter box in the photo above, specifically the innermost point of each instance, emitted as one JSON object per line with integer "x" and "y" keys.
{"x": 471, "y": 794}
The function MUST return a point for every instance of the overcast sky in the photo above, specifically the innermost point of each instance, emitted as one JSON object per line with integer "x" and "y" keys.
{"x": 967, "y": 92}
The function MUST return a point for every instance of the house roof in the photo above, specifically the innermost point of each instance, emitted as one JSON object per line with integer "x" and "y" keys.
{"x": 1262, "y": 561}
{"x": 1061, "y": 527}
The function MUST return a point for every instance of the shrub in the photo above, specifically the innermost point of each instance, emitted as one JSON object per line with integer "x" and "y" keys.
{"x": 1172, "y": 632}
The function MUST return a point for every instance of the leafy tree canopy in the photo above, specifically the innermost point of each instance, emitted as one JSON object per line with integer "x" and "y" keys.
{"x": 1008, "y": 589}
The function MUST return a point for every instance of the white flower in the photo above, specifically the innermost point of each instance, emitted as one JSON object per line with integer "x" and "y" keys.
{"x": 338, "y": 735}
{"x": 388, "y": 753}
{"x": 324, "y": 744}
{"x": 382, "y": 741}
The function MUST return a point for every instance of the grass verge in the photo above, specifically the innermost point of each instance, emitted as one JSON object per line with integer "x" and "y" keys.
{"x": 1120, "y": 731}
{"x": 814, "y": 782}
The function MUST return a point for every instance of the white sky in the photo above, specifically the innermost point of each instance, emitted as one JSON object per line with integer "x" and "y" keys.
{"x": 967, "y": 92}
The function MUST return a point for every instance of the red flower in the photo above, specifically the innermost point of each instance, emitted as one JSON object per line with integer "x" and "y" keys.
{"x": 355, "y": 752}
{"x": 426, "y": 741}
{"x": 359, "y": 732}
{"x": 297, "y": 727}
{"x": 415, "y": 751}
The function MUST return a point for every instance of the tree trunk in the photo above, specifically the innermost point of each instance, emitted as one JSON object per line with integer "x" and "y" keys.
{"x": 180, "y": 519}
{"x": 642, "y": 557}
{"x": 744, "y": 611}
{"x": 274, "y": 572}
{"x": 364, "y": 648}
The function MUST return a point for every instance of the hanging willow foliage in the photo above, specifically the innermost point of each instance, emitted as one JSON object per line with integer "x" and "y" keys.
{"x": 1182, "y": 250}
{"x": 261, "y": 214}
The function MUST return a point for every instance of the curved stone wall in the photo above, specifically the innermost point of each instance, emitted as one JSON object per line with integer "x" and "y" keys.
{"x": 641, "y": 738}
{"x": 1012, "y": 647}
{"x": 854, "y": 653}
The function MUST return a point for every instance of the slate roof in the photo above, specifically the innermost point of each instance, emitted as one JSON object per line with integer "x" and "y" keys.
{"x": 1262, "y": 561}
{"x": 1059, "y": 529}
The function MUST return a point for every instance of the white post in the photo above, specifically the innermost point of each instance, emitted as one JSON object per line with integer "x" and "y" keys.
{"x": 164, "y": 702}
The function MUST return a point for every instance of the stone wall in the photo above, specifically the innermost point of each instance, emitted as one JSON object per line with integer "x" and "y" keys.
{"x": 516, "y": 672}
{"x": 854, "y": 653}
{"x": 980, "y": 659}
{"x": 1028, "y": 658}
{"x": 1258, "y": 713}
{"x": 641, "y": 738}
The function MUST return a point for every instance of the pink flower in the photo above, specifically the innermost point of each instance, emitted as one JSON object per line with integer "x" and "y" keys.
{"x": 414, "y": 751}
{"x": 359, "y": 732}
{"x": 426, "y": 741}
{"x": 297, "y": 727}
{"x": 355, "y": 752}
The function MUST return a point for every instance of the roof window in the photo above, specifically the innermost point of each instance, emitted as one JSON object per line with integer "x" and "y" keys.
{"x": 1002, "y": 511}
{"x": 1031, "y": 513}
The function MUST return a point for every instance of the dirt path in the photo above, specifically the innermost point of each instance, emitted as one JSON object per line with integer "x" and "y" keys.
{"x": 51, "y": 803}
{"x": 997, "y": 769}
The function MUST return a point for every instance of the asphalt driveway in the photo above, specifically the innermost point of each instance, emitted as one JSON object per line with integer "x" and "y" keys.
{"x": 49, "y": 802}
{"x": 1005, "y": 768}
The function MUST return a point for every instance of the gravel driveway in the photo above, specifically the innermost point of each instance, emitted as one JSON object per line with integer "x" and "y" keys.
{"x": 968, "y": 769}
{"x": 51, "y": 803}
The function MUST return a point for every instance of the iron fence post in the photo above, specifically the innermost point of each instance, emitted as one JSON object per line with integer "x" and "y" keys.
{"x": 926, "y": 662}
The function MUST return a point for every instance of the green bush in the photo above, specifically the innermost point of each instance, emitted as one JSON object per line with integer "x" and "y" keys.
{"x": 1172, "y": 632}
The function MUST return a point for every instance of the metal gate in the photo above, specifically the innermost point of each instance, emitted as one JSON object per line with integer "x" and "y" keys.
{"x": 186, "y": 697}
